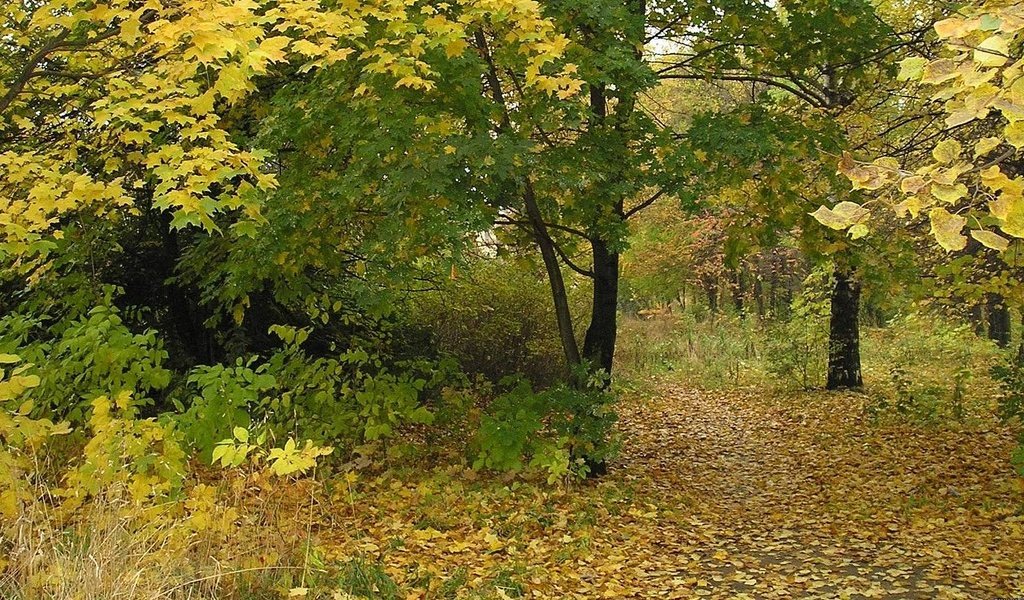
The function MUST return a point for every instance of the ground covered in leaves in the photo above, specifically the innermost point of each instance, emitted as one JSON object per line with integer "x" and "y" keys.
{"x": 715, "y": 494}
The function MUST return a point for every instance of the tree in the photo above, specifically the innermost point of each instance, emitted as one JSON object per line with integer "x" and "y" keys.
{"x": 826, "y": 64}
{"x": 97, "y": 102}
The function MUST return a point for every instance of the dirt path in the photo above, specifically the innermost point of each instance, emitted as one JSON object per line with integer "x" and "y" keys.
{"x": 762, "y": 500}
{"x": 722, "y": 495}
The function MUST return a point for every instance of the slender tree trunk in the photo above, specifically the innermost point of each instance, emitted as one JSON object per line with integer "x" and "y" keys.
{"x": 998, "y": 320}
{"x": 563, "y": 315}
{"x": 759, "y": 296}
{"x": 599, "y": 344}
{"x": 977, "y": 318}
{"x": 711, "y": 289}
{"x": 786, "y": 306}
{"x": 844, "y": 334}
{"x": 538, "y": 226}
{"x": 739, "y": 290}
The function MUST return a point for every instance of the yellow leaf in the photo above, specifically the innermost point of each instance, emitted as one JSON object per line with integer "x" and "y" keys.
{"x": 949, "y": 194}
{"x": 844, "y": 215}
{"x": 951, "y": 28}
{"x": 946, "y": 228}
{"x": 939, "y": 71}
{"x": 990, "y": 239}
{"x": 985, "y": 145}
{"x": 858, "y": 231}
{"x": 1009, "y": 210}
{"x": 306, "y": 47}
{"x": 947, "y": 151}
{"x": 455, "y": 47}
{"x": 911, "y": 68}
{"x": 274, "y": 47}
{"x": 1014, "y": 133}
{"x": 993, "y": 52}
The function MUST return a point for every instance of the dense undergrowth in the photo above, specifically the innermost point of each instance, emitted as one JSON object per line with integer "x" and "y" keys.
{"x": 108, "y": 494}
{"x": 127, "y": 472}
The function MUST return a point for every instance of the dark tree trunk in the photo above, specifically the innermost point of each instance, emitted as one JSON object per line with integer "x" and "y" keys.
{"x": 844, "y": 334}
{"x": 977, "y": 319}
{"x": 739, "y": 290}
{"x": 998, "y": 320}
{"x": 711, "y": 288}
{"x": 599, "y": 344}
{"x": 759, "y": 296}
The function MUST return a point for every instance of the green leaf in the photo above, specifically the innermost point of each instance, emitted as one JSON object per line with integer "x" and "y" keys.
{"x": 241, "y": 434}
{"x": 990, "y": 22}
{"x": 911, "y": 68}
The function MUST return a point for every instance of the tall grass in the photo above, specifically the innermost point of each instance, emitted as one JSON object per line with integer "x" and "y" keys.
{"x": 923, "y": 365}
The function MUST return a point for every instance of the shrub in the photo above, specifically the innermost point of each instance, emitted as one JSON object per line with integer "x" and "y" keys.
{"x": 796, "y": 349}
{"x": 349, "y": 398}
{"x": 497, "y": 320}
{"x": 82, "y": 358}
{"x": 562, "y": 430}
{"x": 126, "y": 514}
{"x": 930, "y": 370}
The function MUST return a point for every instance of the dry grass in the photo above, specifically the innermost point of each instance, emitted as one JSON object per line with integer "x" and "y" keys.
{"x": 208, "y": 544}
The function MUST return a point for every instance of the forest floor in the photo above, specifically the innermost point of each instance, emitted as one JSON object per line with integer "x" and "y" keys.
{"x": 715, "y": 494}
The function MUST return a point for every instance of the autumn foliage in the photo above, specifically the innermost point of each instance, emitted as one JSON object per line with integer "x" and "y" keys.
{"x": 492, "y": 299}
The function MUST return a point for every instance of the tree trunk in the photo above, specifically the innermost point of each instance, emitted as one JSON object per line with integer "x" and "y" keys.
{"x": 599, "y": 344}
{"x": 711, "y": 288}
{"x": 739, "y": 290}
{"x": 844, "y": 334}
{"x": 759, "y": 296}
{"x": 977, "y": 318}
{"x": 998, "y": 320}
{"x": 563, "y": 316}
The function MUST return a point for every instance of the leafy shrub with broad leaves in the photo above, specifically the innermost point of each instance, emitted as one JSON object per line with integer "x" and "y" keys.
{"x": 82, "y": 358}
{"x": 914, "y": 389}
{"x": 562, "y": 430}
{"x": 351, "y": 397}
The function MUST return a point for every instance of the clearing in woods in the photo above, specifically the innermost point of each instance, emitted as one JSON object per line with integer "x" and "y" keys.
{"x": 715, "y": 494}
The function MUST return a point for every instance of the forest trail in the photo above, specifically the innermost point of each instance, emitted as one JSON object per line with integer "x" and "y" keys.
{"x": 715, "y": 494}
{"x": 769, "y": 500}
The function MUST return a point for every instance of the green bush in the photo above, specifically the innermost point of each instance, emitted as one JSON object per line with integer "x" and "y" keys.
{"x": 929, "y": 370}
{"x": 796, "y": 350}
{"x": 349, "y": 398}
{"x": 563, "y": 430}
{"x": 81, "y": 358}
